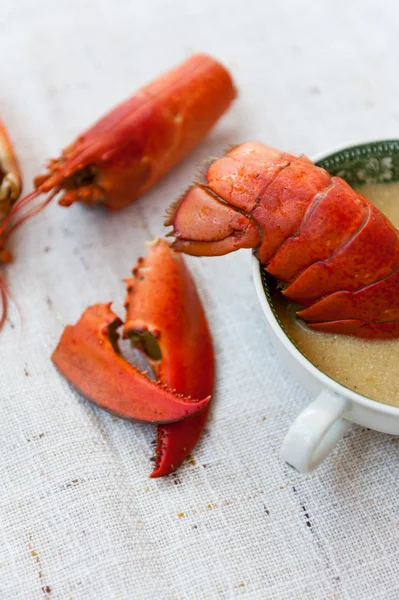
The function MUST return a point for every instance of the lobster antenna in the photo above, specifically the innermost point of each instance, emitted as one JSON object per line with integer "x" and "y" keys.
{"x": 6, "y": 231}
{"x": 30, "y": 213}
{"x": 16, "y": 209}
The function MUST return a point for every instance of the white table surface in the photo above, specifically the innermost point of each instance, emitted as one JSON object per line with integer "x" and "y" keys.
{"x": 79, "y": 518}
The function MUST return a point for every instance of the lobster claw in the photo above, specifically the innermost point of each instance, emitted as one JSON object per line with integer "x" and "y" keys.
{"x": 87, "y": 355}
{"x": 166, "y": 321}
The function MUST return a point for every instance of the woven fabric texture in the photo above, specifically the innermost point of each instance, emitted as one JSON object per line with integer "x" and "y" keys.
{"x": 79, "y": 517}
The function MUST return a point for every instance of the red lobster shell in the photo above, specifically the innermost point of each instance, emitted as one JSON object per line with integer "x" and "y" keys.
{"x": 166, "y": 321}
{"x": 88, "y": 356}
{"x": 337, "y": 253}
{"x": 127, "y": 151}
{"x": 162, "y": 300}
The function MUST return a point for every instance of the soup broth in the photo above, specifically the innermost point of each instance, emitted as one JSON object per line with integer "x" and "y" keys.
{"x": 367, "y": 367}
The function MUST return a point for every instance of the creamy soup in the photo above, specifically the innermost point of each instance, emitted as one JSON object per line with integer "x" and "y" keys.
{"x": 367, "y": 367}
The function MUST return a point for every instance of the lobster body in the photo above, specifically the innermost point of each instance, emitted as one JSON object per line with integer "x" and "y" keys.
{"x": 127, "y": 151}
{"x": 336, "y": 252}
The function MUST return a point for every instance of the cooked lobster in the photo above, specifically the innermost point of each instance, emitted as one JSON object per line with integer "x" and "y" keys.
{"x": 126, "y": 152}
{"x": 335, "y": 252}
{"x": 129, "y": 149}
{"x": 165, "y": 320}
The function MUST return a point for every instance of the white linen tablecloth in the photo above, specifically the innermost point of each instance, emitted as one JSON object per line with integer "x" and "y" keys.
{"x": 79, "y": 518}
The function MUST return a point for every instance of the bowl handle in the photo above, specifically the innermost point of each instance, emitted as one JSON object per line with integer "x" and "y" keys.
{"x": 315, "y": 432}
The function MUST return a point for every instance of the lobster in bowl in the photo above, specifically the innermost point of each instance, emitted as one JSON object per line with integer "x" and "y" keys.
{"x": 332, "y": 250}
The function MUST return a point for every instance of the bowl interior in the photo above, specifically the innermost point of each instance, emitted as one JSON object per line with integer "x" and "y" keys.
{"x": 371, "y": 162}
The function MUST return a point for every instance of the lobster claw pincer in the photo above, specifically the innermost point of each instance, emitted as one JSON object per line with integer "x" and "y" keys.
{"x": 87, "y": 355}
{"x": 166, "y": 321}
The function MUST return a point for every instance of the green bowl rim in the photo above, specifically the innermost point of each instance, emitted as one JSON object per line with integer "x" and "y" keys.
{"x": 365, "y": 149}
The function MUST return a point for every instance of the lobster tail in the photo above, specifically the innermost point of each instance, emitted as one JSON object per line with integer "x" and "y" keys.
{"x": 337, "y": 253}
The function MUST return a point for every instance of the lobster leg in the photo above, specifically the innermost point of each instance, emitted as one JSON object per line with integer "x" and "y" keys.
{"x": 166, "y": 321}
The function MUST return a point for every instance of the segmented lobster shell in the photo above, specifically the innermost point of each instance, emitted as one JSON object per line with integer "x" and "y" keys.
{"x": 337, "y": 253}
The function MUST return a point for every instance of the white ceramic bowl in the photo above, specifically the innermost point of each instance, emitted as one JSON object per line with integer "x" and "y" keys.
{"x": 320, "y": 426}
